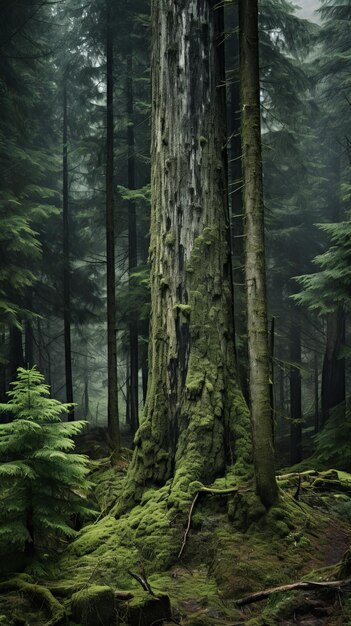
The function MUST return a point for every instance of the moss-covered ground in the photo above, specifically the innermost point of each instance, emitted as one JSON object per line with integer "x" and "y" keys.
{"x": 233, "y": 548}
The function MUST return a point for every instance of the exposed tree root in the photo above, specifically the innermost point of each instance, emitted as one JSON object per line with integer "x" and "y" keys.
{"x": 307, "y": 585}
{"x": 41, "y": 595}
{"x": 188, "y": 525}
{"x": 202, "y": 490}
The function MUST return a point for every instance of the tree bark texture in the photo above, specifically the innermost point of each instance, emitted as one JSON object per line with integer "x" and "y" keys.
{"x": 258, "y": 345}
{"x": 66, "y": 258}
{"x": 112, "y": 410}
{"x": 194, "y": 409}
{"x": 236, "y": 197}
{"x": 132, "y": 253}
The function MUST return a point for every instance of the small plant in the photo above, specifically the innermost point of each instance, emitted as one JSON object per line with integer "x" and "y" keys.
{"x": 43, "y": 484}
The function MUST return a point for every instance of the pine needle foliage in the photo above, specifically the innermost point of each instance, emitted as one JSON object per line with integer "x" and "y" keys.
{"x": 333, "y": 442}
{"x": 325, "y": 290}
{"x": 43, "y": 483}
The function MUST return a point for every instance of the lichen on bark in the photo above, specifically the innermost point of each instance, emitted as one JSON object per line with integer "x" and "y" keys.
{"x": 195, "y": 421}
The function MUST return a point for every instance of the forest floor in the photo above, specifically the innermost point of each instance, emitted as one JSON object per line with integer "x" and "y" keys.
{"x": 128, "y": 571}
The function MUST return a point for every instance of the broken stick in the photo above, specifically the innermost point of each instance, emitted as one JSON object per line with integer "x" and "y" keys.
{"x": 308, "y": 585}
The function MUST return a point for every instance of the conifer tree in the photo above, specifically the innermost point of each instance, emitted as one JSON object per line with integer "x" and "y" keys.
{"x": 43, "y": 481}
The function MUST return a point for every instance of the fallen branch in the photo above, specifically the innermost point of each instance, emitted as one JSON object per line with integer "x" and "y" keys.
{"x": 143, "y": 582}
{"x": 308, "y": 585}
{"x": 312, "y": 473}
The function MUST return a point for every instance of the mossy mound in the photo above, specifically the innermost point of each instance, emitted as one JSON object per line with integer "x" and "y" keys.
{"x": 109, "y": 480}
{"x": 233, "y": 548}
{"x": 146, "y": 610}
{"x": 94, "y": 605}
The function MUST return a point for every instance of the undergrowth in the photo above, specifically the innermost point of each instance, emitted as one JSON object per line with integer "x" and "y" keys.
{"x": 234, "y": 547}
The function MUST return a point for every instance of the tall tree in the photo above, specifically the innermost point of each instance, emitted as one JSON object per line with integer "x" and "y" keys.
{"x": 113, "y": 418}
{"x": 290, "y": 200}
{"x": 255, "y": 278}
{"x": 66, "y": 256}
{"x": 195, "y": 420}
{"x": 132, "y": 251}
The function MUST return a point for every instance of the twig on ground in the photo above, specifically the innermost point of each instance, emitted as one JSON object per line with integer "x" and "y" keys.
{"x": 308, "y": 585}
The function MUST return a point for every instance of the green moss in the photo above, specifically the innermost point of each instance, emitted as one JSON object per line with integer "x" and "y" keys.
{"x": 38, "y": 594}
{"x": 93, "y": 605}
{"x": 170, "y": 240}
{"x": 281, "y": 528}
{"x": 183, "y": 309}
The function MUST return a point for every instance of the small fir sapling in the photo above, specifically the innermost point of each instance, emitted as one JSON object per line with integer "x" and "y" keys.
{"x": 43, "y": 483}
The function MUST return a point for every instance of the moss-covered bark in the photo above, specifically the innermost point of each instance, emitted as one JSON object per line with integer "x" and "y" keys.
{"x": 257, "y": 330}
{"x": 195, "y": 420}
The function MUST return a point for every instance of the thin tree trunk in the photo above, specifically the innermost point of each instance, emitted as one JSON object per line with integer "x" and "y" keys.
{"x": 86, "y": 398}
{"x": 28, "y": 343}
{"x": 132, "y": 252}
{"x": 258, "y": 345}
{"x": 113, "y": 417}
{"x": 16, "y": 359}
{"x": 3, "y": 381}
{"x": 295, "y": 391}
{"x": 40, "y": 347}
{"x": 144, "y": 358}
{"x": 66, "y": 260}
{"x": 316, "y": 394}
{"x": 272, "y": 373}
{"x": 48, "y": 356}
{"x": 333, "y": 373}
{"x": 28, "y": 334}
{"x": 194, "y": 408}
{"x": 333, "y": 370}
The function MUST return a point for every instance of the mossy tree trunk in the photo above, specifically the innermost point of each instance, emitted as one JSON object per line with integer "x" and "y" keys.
{"x": 257, "y": 328}
{"x": 195, "y": 421}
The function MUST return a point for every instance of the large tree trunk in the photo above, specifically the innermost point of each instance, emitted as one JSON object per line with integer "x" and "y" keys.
{"x": 112, "y": 392}
{"x": 333, "y": 373}
{"x": 257, "y": 329}
{"x": 194, "y": 409}
{"x": 66, "y": 260}
{"x": 132, "y": 254}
